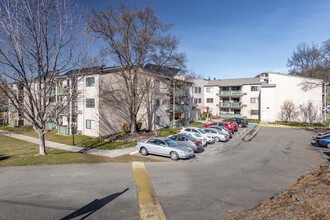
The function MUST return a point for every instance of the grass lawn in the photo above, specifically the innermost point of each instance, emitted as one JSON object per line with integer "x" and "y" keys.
{"x": 165, "y": 132}
{"x": 14, "y": 152}
{"x": 80, "y": 140}
{"x": 301, "y": 124}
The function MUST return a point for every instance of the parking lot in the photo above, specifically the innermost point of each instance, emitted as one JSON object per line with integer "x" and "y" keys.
{"x": 225, "y": 178}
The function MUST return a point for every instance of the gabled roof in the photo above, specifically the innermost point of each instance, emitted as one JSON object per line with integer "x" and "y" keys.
{"x": 162, "y": 70}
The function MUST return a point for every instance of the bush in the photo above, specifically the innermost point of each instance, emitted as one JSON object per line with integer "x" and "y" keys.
{"x": 204, "y": 116}
{"x": 119, "y": 136}
{"x": 126, "y": 128}
{"x": 138, "y": 126}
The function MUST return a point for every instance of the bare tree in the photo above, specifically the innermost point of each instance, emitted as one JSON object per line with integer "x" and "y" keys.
{"x": 309, "y": 112}
{"x": 288, "y": 111}
{"x": 134, "y": 38}
{"x": 38, "y": 42}
{"x": 311, "y": 61}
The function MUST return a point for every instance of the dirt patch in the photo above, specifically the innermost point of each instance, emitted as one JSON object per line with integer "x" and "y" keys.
{"x": 309, "y": 198}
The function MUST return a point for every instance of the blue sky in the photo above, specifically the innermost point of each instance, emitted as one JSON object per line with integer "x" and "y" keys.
{"x": 239, "y": 38}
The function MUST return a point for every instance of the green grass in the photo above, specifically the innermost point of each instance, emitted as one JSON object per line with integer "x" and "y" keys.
{"x": 14, "y": 152}
{"x": 253, "y": 120}
{"x": 165, "y": 132}
{"x": 80, "y": 140}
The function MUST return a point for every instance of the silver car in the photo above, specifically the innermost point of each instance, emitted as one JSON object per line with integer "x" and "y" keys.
{"x": 164, "y": 147}
{"x": 194, "y": 130}
{"x": 217, "y": 134}
{"x": 187, "y": 141}
{"x": 223, "y": 130}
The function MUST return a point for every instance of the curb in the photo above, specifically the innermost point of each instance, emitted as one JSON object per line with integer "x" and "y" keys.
{"x": 249, "y": 136}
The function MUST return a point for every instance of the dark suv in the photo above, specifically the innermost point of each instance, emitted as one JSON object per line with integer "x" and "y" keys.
{"x": 240, "y": 121}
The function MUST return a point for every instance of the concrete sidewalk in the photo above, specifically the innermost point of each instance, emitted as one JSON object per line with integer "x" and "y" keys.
{"x": 106, "y": 153}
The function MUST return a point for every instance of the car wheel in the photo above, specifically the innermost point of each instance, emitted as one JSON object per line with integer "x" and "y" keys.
{"x": 174, "y": 156}
{"x": 144, "y": 151}
{"x": 328, "y": 145}
{"x": 217, "y": 139}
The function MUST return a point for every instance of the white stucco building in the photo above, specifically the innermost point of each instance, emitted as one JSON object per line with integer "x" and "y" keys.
{"x": 262, "y": 97}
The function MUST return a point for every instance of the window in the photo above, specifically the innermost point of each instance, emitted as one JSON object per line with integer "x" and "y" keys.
{"x": 254, "y": 112}
{"x": 90, "y": 103}
{"x": 209, "y": 90}
{"x": 199, "y": 90}
{"x": 157, "y": 102}
{"x": 90, "y": 124}
{"x": 209, "y": 100}
{"x": 158, "y": 120}
{"x": 194, "y": 130}
{"x": 152, "y": 141}
{"x": 164, "y": 102}
{"x": 254, "y": 100}
{"x": 182, "y": 138}
{"x": 196, "y": 89}
{"x": 255, "y": 88}
{"x": 90, "y": 81}
{"x": 200, "y": 100}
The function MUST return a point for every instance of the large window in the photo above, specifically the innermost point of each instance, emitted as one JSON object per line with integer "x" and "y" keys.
{"x": 90, "y": 81}
{"x": 209, "y": 89}
{"x": 90, "y": 103}
{"x": 254, "y": 100}
{"x": 209, "y": 100}
{"x": 255, "y": 88}
{"x": 90, "y": 124}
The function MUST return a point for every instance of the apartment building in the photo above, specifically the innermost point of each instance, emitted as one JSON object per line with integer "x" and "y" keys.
{"x": 262, "y": 97}
{"x": 197, "y": 94}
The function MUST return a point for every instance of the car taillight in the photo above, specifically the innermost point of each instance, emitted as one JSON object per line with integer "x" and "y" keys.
{"x": 225, "y": 136}
{"x": 196, "y": 144}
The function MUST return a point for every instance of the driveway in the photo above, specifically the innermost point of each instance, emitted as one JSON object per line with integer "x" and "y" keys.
{"x": 230, "y": 178}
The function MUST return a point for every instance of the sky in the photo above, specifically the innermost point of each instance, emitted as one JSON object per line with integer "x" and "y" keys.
{"x": 238, "y": 38}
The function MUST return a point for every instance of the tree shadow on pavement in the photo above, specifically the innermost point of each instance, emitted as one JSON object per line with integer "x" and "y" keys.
{"x": 93, "y": 206}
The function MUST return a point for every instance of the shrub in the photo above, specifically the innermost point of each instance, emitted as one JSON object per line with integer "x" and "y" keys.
{"x": 119, "y": 136}
{"x": 138, "y": 126}
{"x": 126, "y": 128}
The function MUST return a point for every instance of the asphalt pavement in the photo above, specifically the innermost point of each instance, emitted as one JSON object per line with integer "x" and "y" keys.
{"x": 225, "y": 178}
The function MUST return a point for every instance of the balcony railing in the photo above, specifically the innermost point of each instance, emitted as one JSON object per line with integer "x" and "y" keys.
{"x": 179, "y": 123}
{"x": 12, "y": 108}
{"x": 230, "y": 93}
{"x": 230, "y": 115}
{"x": 179, "y": 92}
{"x": 179, "y": 107}
{"x": 62, "y": 91}
{"x": 230, "y": 105}
{"x": 64, "y": 130}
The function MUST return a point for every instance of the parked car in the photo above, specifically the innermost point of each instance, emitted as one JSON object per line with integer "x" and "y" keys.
{"x": 241, "y": 122}
{"x": 187, "y": 141}
{"x": 223, "y": 130}
{"x": 323, "y": 141}
{"x": 235, "y": 126}
{"x": 217, "y": 134}
{"x": 321, "y": 134}
{"x": 221, "y": 124}
{"x": 164, "y": 147}
{"x": 198, "y": 137}
{"x": 200, "y": 131}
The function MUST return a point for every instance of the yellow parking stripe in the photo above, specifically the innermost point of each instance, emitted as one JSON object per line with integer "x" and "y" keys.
{"x": 283, "y": 126}
{"x": 148, "y": 202}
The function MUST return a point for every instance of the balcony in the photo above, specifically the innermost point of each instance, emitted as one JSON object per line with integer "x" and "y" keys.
{"x": 179, "y": 107}
{"x": 230, "y": 115}
{"x": 12, "y": 108}
{"x": 230, "y": 93}
{"x": 179, "y": 92}
{"x": 64, "y": 130}
{"x": 62, "y": 91}
{"x": 179, "y": 123}
{"x": 230, "y": 105}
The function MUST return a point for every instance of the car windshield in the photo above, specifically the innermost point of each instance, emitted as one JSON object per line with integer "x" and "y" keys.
{"x": 201, "y": 131}
{"x": 192, "y": 138}
{"x": 171, "y": 143}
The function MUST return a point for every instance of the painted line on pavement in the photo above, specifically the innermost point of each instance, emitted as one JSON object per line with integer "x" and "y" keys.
{"x": 147, "y": 199}
{"x": 135, "y": 152}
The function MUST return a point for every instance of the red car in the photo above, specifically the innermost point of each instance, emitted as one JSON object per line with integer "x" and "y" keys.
{"x": 233, "y": 124}
{"x": 222, "y": 124}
